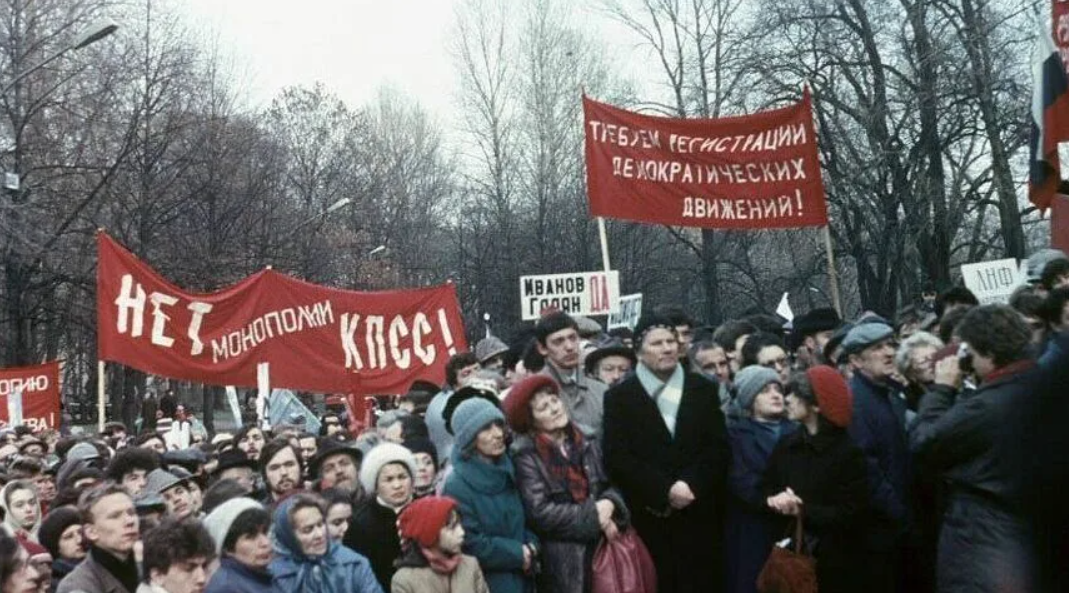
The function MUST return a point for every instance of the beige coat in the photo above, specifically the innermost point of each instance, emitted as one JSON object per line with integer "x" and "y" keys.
{"x": 467, "y": 577}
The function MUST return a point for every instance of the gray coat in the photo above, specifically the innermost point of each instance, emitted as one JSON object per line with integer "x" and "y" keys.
{"x": 568, "y": 532}
{"x": 583, "y": 396}
{"x": 90, "y": 577}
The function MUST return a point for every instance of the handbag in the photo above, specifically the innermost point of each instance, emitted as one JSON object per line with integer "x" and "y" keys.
{"x": 789, "y": 571}
{"x": 623, "y": 565}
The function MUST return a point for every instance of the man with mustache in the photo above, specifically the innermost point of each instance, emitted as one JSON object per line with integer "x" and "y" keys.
{"x": 111, "y": 528}
{"x": 280, "y": 467}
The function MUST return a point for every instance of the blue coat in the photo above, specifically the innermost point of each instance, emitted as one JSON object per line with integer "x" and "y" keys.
{"x": 878, "y": 427}
{"x": 347, "y": 572}
{"x": 234, "y": 577}
{"x": 491, "y": 512}
{"x": 750, "y": 527}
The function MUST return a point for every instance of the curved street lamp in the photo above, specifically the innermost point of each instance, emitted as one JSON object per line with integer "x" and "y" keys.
{"x": 87, "y": 36}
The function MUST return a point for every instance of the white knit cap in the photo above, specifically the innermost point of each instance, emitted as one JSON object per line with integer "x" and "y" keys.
{"x": 222, "y": 518}
{"x": 379, "y": 456}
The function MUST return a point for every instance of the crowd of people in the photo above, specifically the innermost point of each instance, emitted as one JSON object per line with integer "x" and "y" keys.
{"x": 918, "y": 454}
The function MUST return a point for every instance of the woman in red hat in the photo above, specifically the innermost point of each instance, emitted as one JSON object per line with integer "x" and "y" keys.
{"x": 820, "y": 473}
{"x": 562, "y": 480}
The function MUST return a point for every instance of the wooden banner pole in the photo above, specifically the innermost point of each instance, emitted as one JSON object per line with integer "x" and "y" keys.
{"x": 604, "y": 244}
{"x": 833, "y": 276}
{"x": 101, "y": 407}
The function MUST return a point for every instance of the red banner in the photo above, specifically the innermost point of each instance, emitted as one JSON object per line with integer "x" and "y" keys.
{"x": 1059, "y": 10}
{"x": 314, "y": 338}
{"x": 40, "y": 394}
{"x": 748, "y": 172}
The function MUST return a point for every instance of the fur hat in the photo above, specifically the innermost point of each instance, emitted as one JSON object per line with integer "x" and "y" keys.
{"x": 55, "y": 523}
{"x": 378, "y": 457}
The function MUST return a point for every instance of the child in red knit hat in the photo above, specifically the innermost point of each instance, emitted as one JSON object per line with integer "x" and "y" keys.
{"x": 431, "y": 559}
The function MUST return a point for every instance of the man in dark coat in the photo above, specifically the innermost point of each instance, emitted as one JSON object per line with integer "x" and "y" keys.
{"x": 666, "y": 448}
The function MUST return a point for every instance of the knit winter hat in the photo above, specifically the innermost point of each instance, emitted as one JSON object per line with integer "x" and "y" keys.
{"x": 470, "y": 418}
{"x": 750, "y": 381}
{"x": 424, "y": 518}
{"x": 56, "y": 522}
{"x": 833, "y": 394}
{"x": 378, "y": 457}
{"x": 222, "y": 518}
{"x": 518, "y": 404}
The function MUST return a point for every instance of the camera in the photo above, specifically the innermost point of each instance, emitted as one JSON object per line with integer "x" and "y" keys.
{"x": 965, "y": 358}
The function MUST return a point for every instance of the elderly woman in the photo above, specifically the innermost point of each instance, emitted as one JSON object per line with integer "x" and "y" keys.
{"x": 491, "y": 510}
{"x": 914, "y": 361}
{"x": 240, "y": 529}
{"x": 563, "y": 483}
{"x": 821, "y": 468}
{"x": 750, "y": 527}
{"x": 22, "y": 511}
{"x": 307, "y": 560}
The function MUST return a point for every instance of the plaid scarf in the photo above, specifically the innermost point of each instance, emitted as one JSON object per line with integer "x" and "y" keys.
{"x": 565, "y": 463}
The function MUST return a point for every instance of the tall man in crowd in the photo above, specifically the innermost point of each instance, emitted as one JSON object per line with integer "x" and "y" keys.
{"x": 558, "y": 341}
{"x": 111, "y": 528}
{"x": 666, "y": 448}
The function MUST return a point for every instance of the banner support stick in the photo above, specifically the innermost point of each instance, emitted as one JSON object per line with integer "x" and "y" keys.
{"x": 604, "y": 244}
{"x": 101, "y": 408}
{"x": 833, "y": 276}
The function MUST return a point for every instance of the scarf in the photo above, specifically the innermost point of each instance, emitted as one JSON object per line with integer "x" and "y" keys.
{"x": 666, "y": 394}
{"x": 125, "y": 571}
{"x": 565, "y": 462}
{"x": 439, "y": 561}
{"x": 1013, "y": 368}
{"x": 313, "y": 572}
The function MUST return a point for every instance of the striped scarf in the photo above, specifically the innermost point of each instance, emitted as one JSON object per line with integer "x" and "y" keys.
{"x": 565, "y": 464}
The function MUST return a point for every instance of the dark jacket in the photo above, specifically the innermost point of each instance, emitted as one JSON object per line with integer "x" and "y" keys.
{"x": 234, "y": 577}
{"x": 751, "y": 528}
{"x": 373, "y": 533}
{"x": 568, "y": 531}
{"x": 827, "y": 471}
{"x": 878, "y": 428}
{"x": 977, "y": 446}
{"x": 92, "y": 577}
{"x": 491, "y": 512}
{"x": 61, "y": 567}
{"x": 644, "y": 460}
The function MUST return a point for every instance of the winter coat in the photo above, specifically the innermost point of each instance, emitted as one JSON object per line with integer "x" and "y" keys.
{"x": 979, "y": 447}
{"x": 878, "y": 428}
{"x": 61, "y": 567}
{"x": 583, "y": 395}
{"x": 491, "y": 512}
{"x": 91, "y": 577}
{"x": 414, "y": 575}
{"x": 644, "y": 459}
{"x": 234, "y": 577}
{"x": 569, "y": 532}
{"x": 827, "y": 471}
{"x": 751, "y": 528}
{"x": 350, "y": 573}
{"x": 373, "y": 533}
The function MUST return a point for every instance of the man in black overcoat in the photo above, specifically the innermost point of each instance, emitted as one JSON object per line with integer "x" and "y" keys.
{"x": 666, "y": 448}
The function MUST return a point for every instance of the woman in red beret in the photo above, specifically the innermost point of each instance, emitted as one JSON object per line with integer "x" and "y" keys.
{"x": 820, "y": 470}
{"x": 562, "y": 480}
{"x": 431, "y": 560}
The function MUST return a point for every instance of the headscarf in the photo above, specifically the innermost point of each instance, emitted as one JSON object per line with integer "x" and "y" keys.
{"x": 286, "y": 545}
{"x": 9, "y": 520}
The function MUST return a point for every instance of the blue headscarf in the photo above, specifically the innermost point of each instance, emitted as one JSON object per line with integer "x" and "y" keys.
{"x": 313, "y": 572}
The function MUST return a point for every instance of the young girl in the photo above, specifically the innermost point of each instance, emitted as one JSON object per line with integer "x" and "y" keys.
{"x": 431, "y": 560}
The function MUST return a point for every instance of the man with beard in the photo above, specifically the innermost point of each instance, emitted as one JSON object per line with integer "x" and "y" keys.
{"x": 178, "y": 558}
{"x": 337, "y": 465}
{"x": 666, "y": 448}
{"x": 111, "y": 528}
{"x": 280, "y": 467}
{"x": 878, "y": 427}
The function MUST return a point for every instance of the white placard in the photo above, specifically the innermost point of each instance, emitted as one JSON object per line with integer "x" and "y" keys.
{"x": 993, "y": 281}
{"x": 581, "y": 293}
{"x": 630, "y": 311}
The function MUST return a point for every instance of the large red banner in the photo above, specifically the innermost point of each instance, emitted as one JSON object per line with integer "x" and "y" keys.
{"x": 747, "y": 172}
{"x": 39, "y": 386}
{"x": 314, "y": 338}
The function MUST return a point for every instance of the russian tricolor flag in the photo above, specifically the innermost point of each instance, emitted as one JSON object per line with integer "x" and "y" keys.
{"x": 1050, "y": 120}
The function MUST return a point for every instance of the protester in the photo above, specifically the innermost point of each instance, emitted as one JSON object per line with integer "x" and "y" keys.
{"x": 915, "y": 362}
{"x": 61, "y": 535}
{"x": 490, "y": 351}
{"x": 566, "y": 494}
{"x": 609, "y": 362}
{"x": 234, "y": 464}
{"x": 483, "y": 484}
{"x": 955, "y": 297}
{"x": 152, "y": 441}
{"x": 330, "y": 425}
{"x": 1030, "y": 304}
{"x": 308, "y": 444}
{"x": 731, "y": 336}
{"x": 280, "y": 469}
{"x": 17, "y": 574}
{"x": 458, "y": 370}
{"x": 250, "y": 439}
{"x": 432, "y": 562}
{"x": 749, "y": 528}
{"x": 339, "y": 504}
{"x": 240, "y": 531}
{"x": 178, "y": 557}
{"x": 22, "y": 511}
{"x": 878, "y": 427}
{"x": 709, "y": 359}
{"x": 810, "y": 333}
{"x": 557, "y": 337}
{"x": 820, "y": 470}
{"x": 130, "y": 468}
{"x": 767, "y": 350}
{"x": 666, "y": 449}
{"x": 337, "y": 465}
{"x": 386, "y": 476}
{"x": 111, "y": 528}
{"x": 426, "y": 457}
{"x": 307, "y": 560}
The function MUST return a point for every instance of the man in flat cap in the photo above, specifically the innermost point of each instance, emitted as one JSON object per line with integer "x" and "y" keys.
{"x": 878, "y": 427}
{"x": 666, "y": 448}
